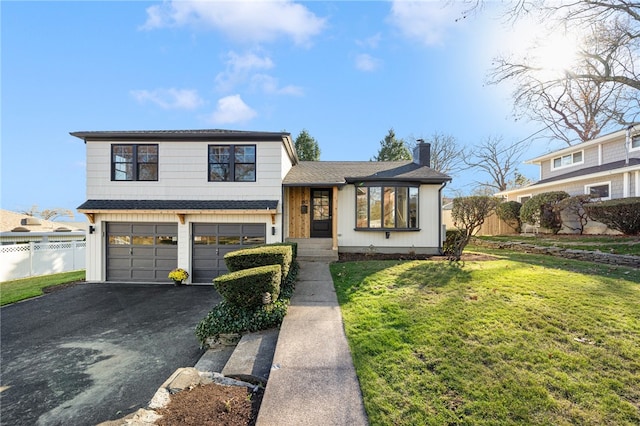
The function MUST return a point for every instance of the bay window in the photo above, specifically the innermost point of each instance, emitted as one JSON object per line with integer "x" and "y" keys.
{"x": 386, "y": 207}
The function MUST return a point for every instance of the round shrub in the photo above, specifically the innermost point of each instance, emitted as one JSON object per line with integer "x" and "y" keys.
{"x": 509, "y": 212}
{"x": 541, "y": 209}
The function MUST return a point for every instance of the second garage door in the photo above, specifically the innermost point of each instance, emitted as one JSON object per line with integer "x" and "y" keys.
{"x": 211, "y": 241}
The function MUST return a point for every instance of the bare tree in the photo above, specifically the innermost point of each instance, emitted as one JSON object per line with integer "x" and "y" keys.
{"x": 48, "y": 214}
{"x": 447, "y": 156}
{"x": 599, "y": 88}
{"x": 498, "y": 160}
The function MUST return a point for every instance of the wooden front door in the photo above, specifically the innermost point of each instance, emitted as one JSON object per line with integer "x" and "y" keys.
{"x": 321, "y": 213}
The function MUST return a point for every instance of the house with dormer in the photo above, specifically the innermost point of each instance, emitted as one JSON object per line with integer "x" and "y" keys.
{"x": 157, "y": 200}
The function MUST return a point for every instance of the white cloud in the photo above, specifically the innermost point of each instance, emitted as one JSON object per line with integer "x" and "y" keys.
{"x": 370, "y": 42}
{"x": 269, "y": 84}
{"x": 239, "y": 68}
{"x": 247, "y": 21}
{"x": 366, "y": 62}
{"x": 426, "y": 22}
{"x": 169, "y": 98}
{"x": 232, "y": 109}
{"x": 243, "y": 69}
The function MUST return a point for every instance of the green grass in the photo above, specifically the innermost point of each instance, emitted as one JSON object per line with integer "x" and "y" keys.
{"x": 606, "y": 243}
{"x": 16, "y": 290}
{"x": 522, "y": 339}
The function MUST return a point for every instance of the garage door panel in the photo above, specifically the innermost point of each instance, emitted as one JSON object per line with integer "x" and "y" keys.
{"x": 141, "y": 252}
{"x": 212, "y": 241}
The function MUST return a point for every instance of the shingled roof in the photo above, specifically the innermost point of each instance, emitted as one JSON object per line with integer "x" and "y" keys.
{"x": 328, "y": 173}
{"x": 591, "y": 170}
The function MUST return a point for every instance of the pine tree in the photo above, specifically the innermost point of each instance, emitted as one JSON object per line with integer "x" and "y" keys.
{"x": 392, "y": 149}
{"x": 307, "y": 147}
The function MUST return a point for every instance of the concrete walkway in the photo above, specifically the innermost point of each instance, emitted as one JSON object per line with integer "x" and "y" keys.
{"x": 313, "y": 380}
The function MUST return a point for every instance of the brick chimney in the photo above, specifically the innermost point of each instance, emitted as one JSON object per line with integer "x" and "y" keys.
{"x": 422, "y": 153}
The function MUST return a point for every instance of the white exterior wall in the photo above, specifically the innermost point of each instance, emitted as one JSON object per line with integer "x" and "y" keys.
{"x": 426, "y": 240}
{"x": 96, "y": 242}
{"x": 183, "y": 174}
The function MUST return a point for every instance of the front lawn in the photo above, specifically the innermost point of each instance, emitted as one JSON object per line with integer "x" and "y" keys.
{"x": 16, "y": 290}
{"x": 522, "y": 339}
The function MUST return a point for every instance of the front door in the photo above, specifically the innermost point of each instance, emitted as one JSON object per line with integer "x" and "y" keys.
{"x": 321, "y": 213}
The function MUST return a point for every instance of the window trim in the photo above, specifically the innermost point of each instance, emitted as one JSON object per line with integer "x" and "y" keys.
{"x": 588, "y": 186}
{"x": 136, "y": 164}
{"x": 232, "y": 162}
{"x": 634, "y": 138}
{"x": 520, "y": 197}
{"x": 381, "y": 186}
{"x": 573, "y": 163}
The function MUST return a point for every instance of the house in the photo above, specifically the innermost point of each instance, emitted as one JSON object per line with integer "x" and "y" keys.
{"x": 18, "y": 228}
{"x": 161, "y": 199}
{"x": 606, "y": 168}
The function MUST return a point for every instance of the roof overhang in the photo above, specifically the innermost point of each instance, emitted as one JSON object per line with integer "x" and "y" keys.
{"x": 181, "y": 208}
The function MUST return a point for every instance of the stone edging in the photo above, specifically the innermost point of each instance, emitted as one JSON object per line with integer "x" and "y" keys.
{"x": 182, "y": 378}
{"x": 589, "y": 256}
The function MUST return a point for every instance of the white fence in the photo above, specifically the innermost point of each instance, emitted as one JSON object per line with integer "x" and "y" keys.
{"x": 32, "y": 259}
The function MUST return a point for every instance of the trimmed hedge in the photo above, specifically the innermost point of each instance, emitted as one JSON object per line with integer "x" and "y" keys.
{"x": 621, "y": 214}
{"x": 509, "y": 212}
{"x": 293, "y": 245}
{"x": 250, "y": 288}
{"x": 260, "y": 256}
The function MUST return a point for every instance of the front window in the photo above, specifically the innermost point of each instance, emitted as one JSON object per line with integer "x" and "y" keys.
{"x": 232, "y": 163}
{"x": 567, "y": 160}
{"x": 386, "y": 207}
{"x": 134, "y": 162}
{"x": 599, "y": 190}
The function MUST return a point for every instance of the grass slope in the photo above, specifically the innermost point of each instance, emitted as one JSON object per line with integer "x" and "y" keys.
{"x": 520, "y": 340}
{"x": 16, "y": 290}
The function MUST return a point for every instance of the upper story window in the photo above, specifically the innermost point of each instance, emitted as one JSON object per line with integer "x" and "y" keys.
{"x": 232, "y": 163}
{"x": 134, "y": 162}
{"x": 635, "y": 142}
{"x": 568, "y": 160}
{"x": 387, "y": 207}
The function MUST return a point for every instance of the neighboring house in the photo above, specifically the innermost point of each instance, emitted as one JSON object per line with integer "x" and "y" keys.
{"x": 606, "y": 168}
{"x": 161, "y": 199}
{"x": 21, "y": 228}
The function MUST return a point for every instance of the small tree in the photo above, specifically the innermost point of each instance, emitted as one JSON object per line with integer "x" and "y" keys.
{"x": 574, "y": 206}
{"x": 307, "y": 147}
{"x": 509, "y": 212}
{"x": 469, "y": 213}
{"x": 392, "y": 149}
{"x": 541, "y": 209}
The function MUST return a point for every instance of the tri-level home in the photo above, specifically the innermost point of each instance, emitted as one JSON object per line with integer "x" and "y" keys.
{"x": 606, "y": 168}
{"x": 161, "y": 199}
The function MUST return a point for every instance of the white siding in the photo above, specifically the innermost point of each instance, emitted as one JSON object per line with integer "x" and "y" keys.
{"x": 182, "y": 174}
{"x": 427, "y": 239}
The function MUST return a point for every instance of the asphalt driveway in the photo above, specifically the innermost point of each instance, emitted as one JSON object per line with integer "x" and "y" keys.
{"x": 95, "y": 352}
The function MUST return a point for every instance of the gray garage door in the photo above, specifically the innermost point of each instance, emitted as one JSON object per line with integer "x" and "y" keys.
{"x": 211, "y": 241}
{"x": 141, "y": 252}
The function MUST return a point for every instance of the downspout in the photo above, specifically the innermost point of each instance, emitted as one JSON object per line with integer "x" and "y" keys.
{"x": 440, "y": 217}
{"x": 282, "y": 238}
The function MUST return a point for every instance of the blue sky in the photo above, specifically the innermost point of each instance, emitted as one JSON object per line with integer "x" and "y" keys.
{"x": 345, "y": 71}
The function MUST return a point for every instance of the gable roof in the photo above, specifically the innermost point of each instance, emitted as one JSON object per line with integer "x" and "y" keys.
{"x": 329, "y": 173}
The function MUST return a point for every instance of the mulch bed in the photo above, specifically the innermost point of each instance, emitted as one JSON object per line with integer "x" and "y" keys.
{"x": 212, "y": 404}
{"x": 466, "y": 257}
